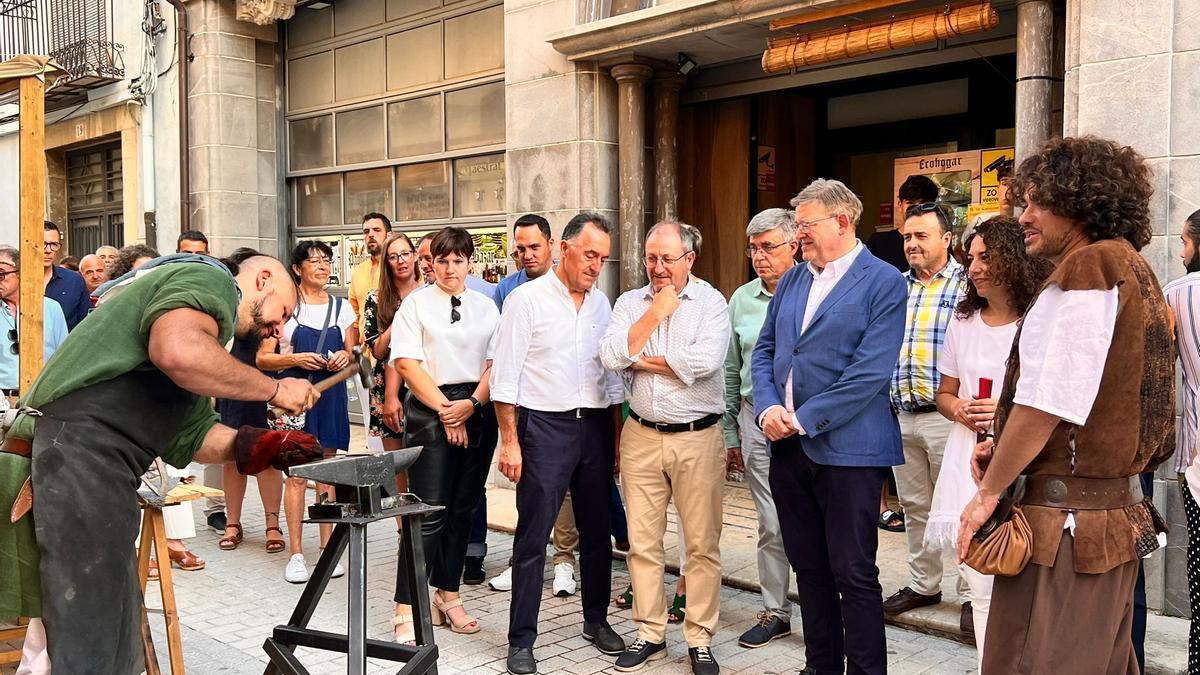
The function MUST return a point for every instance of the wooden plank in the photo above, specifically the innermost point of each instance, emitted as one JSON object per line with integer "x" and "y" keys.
{"x": 167, "y": 588}
{"x": 835, "y": 13}
{"x": 33, "y": 212}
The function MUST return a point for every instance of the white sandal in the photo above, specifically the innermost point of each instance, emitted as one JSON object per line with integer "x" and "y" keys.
{"x": 408, "y": 636}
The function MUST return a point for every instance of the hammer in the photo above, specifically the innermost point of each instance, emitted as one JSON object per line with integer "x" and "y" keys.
{"x": 360, "y": 366}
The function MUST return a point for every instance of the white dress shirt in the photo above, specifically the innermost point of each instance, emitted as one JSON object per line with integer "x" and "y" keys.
{"x": 547, "y": 353}
{"x": 452, "y": 353}
{"x": 694, "y": 340}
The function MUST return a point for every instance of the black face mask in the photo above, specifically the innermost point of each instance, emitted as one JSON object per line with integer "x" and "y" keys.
{"x": 1193, "y": 264}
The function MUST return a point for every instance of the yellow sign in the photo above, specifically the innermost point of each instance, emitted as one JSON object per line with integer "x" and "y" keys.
{"x": 996, "y": 166}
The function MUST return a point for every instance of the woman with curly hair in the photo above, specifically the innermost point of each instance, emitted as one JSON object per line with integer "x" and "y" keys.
{"x": 1087, "y": 405}
{"x": 1001, "y": 282}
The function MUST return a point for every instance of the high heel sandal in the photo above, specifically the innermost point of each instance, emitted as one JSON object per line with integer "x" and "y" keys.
{"x": 407, "y": 635}
{"x": 441, "y": 616}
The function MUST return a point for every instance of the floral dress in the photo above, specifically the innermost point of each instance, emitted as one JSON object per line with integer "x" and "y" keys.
{"x": 372, "y": 330}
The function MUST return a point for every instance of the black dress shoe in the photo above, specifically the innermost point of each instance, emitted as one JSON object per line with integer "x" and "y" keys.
{"x": 907, "y": 599}
{"x": 473, "y": 571}
{"x": 604, "y": 637}
{"x": 966, "y": 619}
{"x": 703, "y": 662}
{"x": 521, "y": 662}
{"x": 639, "y": 653}
{"x": 808, "y": 671}
{"x": 768, "y": 628}
{"x": 217, "y": 522}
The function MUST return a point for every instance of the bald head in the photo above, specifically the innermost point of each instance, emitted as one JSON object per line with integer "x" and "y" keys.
{"x": 108, "y": 254}
{"x": 92, "y": 268}
{"x": 269, "y": 298}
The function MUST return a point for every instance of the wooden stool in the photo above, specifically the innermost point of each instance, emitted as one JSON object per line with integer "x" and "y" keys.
{"x": 154, "y": 535}
{"x": 11, "y": 656}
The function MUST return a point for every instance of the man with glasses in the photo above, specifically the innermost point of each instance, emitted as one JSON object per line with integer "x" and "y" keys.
{"x": 668, "y": 341}
{"x": 54, "y": 325}
{"x": 821, "y": 368}
{"x": 63, "y": 286}
{"x": 936, "y": 284}
{"x": 772, "y": 252}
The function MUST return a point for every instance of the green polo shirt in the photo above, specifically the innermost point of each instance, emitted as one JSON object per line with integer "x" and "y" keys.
{"x": 747, "y": 312}
{"x": 114, "y": 340}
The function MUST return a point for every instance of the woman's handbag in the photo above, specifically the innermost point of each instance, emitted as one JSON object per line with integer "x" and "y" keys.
{"x": 1004, "y": 543}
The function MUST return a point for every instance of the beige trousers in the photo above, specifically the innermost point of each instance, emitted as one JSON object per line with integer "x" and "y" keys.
{"x": 689, "y": 467}
{"x": 564, "y": 536}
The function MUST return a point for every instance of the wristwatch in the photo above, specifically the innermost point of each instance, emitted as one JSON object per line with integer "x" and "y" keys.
{"x": 475, "y": 402}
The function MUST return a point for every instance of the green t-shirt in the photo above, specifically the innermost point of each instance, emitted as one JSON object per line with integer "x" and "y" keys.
{"x": 113, "y": 340}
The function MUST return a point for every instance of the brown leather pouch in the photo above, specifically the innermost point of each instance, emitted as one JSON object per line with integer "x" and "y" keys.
{"x": 1146, "y": 523}
{"x": 1004, "y": 543}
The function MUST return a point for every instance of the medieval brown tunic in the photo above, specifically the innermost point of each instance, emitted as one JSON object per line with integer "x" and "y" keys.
{"x": 1070, "y": 610}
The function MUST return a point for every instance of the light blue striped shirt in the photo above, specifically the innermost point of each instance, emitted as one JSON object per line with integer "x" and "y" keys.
{"x": 1183, "y": 297}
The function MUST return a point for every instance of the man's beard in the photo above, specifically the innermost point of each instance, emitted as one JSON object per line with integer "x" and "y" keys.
{"x": 1193, "y": 263}
{"x": 253, "y": 334}
{"x": 374, "y": 247}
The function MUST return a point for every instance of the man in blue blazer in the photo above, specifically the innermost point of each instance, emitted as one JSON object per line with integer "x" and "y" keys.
{"x": 821, "y": 370}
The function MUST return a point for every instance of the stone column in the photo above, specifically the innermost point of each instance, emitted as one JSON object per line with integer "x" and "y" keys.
{"x": 1035, "y": 74}
{"x": 631, "y": 152}
{"x": 666, "y": 157}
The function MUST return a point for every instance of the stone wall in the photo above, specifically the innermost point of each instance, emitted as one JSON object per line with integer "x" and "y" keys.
{"x": 1133, "y": 75}
{"x": 561, "y": 125}
{"x": 233, "y": 128}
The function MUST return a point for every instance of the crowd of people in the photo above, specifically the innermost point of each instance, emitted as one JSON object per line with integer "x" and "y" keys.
{"x": 1035, "y": 351}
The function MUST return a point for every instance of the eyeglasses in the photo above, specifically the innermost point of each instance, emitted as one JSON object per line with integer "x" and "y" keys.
{"x": 5, "y": 275}
{"x": 15, "y": 347}
{"x": 652, "y": 260}
{"x": 52, "y": 245}
{"x": 403, "y": 255}
{"x": 806, "y": 225}
{"x": 319, "y": 261}
{"x": 455, "y": 303}
{"x": 765, "y": 248}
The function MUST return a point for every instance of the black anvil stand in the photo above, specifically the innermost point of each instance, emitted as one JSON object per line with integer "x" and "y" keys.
{"x": 365, "y": 491}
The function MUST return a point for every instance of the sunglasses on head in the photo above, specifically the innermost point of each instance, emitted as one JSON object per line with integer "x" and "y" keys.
{"x": 455, "y": 303}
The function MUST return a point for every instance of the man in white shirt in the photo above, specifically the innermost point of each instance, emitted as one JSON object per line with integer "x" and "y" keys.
{"x": 668, "y": 340}
{"x": 558, "y": 409}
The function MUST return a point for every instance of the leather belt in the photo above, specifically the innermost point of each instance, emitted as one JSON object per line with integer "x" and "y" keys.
{"x": 920, "y": 409}
{"x": 1082, "y": 494}
{"x": 573, "y": 413}
{"x": 10, "y": 392}
{"x": 666, "y": 428}
{"x": 17, "y": 446}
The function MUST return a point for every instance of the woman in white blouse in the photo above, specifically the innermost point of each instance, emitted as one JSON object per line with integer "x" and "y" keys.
{"x": 1002, "y": 280}
{"x": 441, "y": 344}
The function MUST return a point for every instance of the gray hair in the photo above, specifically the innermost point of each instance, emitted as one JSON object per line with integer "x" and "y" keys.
{"x": 580, "y": 220}
{"x": 834, "y": 196}
{"x": 689, "y": 235}
{"x": 12, "y": 253}
{"x": 770, "y": 219}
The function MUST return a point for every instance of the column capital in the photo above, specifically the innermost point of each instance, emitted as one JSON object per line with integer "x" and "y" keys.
{"x": 668, "y": 81}
{"x": 637, "y": 73}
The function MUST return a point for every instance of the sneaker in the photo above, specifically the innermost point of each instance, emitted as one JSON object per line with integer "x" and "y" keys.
{"x": 638, "y": 654}
{"x": 907, "y": 599}
{"x": 296, "y": 571}
{"x": 338, "y": 571}
{"x": 703, "y": 662}
{"x": 564, "y": 580}
{"x": 768, "y": 628}
{"x": 217, "y": 522}
{"x": 502, "y": 581}
{"x": 473, "y": 571}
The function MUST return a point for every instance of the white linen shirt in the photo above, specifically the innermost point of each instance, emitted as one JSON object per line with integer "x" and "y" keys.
{"x": 694, "y": 341}
{"x": 452, "y": 353}
{"x": 547, "y": 354}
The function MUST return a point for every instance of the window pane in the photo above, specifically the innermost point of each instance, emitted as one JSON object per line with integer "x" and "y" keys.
{"x": 360, "y": 135}
{"x": 311, "y": 143}
{"x": 424, "y": 191}
{"x": 368, "y": 191}
{"x": 399, "y": 8}
{"x": 319, "y": 200}
{"x": 310, "y": 81}
{"x": 359, "y": 70}
{"x": 415, "y": 127}
{"x": 475, "y": 42}
{"x": 475, "y": 116}
{"x": 308, "y": 26}
{"x": 414, "y": 57}
{"x": 351, "y": 15}
{"x": 479, "y": 185}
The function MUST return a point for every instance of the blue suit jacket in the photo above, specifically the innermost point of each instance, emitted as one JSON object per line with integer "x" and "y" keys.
{"x": 841, "y": 366}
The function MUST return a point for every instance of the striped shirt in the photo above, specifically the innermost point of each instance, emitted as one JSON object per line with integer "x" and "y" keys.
{"x": 930, "y": 308}
{"x": 1183, "y": 297}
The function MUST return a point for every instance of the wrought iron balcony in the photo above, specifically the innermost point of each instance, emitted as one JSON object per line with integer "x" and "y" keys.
{"x": 78, "y": 34}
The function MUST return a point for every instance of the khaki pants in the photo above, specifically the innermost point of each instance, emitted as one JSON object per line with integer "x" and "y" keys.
{"x": 565, "y": 537}
{"x": 690, "y": 467}
{"x": 924, "y": 437}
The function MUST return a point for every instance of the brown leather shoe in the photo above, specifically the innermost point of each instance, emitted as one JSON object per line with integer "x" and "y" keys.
{"x": 966, "y": 619}
{"x": 907, "y": 599}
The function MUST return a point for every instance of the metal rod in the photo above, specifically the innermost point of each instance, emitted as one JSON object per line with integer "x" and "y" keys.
{"x": 356, "y": 663}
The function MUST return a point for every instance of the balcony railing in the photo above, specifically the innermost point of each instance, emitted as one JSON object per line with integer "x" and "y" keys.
{"x": 78, "y": 34}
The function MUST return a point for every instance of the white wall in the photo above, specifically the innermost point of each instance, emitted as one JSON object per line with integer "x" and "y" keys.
{"x": 10, "y": 183}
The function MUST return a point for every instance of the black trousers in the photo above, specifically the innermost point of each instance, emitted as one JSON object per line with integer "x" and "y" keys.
{"x": 560, "y": 451}
{"x": 446, "y": 475}
{"x": 829, "y": 534}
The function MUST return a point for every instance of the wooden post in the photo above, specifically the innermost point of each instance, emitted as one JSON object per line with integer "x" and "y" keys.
{"x": 33, "y": 213}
